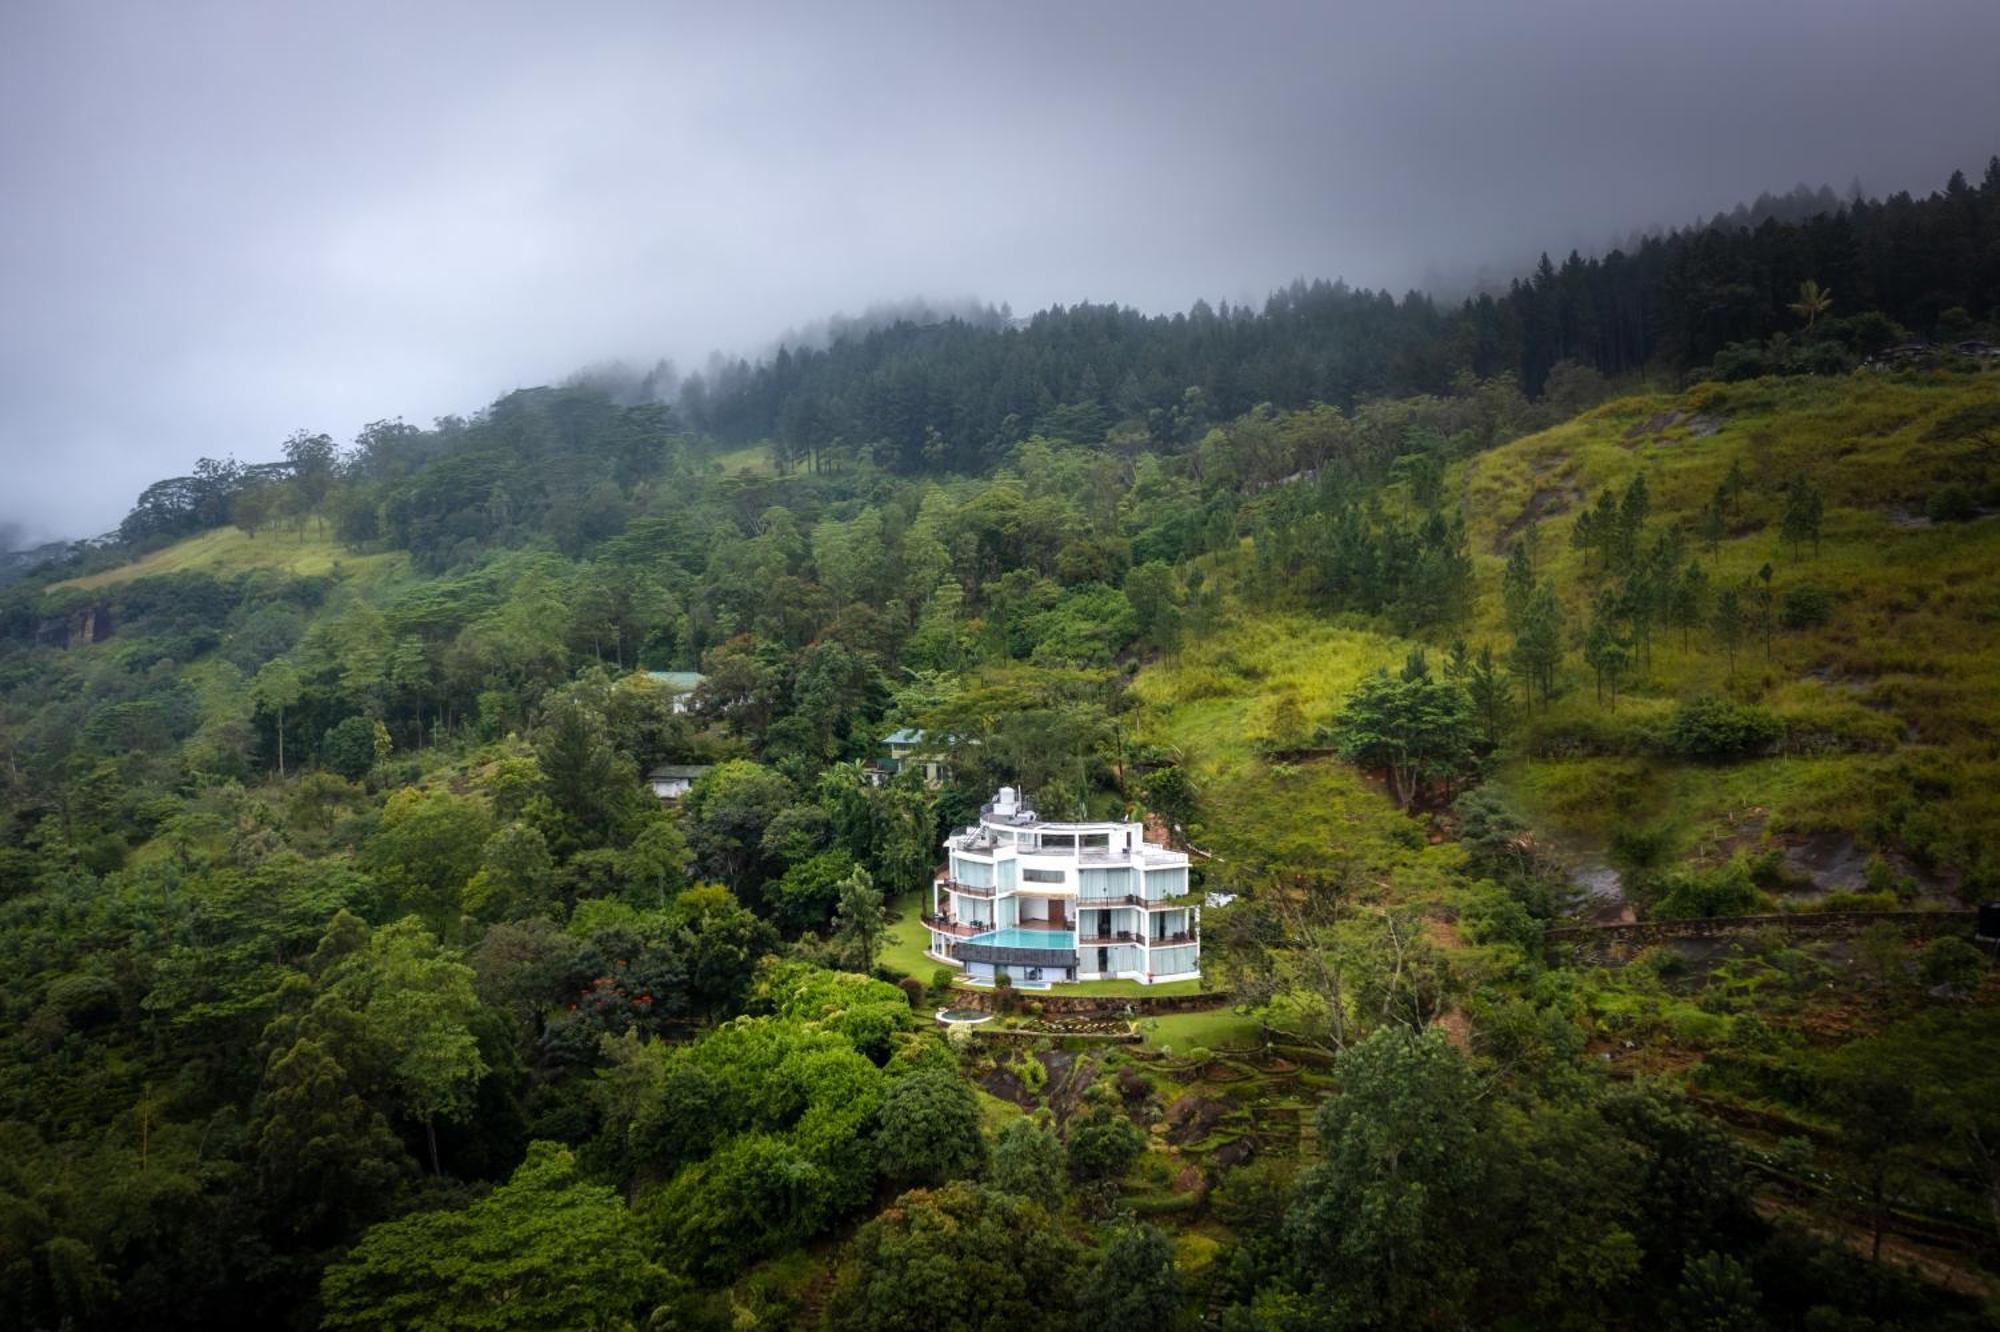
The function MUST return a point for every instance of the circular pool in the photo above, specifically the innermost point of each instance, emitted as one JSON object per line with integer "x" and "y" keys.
{"x": 962, "y": 1016}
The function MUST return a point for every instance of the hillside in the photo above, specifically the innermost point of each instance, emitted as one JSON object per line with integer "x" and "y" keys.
{"x": 332, "y": 903}
{"x": 1896, "y": 686}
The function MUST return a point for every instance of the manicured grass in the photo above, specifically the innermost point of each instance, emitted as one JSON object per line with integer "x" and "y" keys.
{"x": 903, "y": 947}
{"x": 228, "y": 550}
{"x": 1217, "y": 1028}
{"x": 1130, "y": 988}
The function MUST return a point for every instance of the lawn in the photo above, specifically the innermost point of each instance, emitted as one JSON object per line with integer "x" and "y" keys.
{"x": 1214, "y": 1030}
{"x": 903, "y": 945}
{"x": 229, "y": 550}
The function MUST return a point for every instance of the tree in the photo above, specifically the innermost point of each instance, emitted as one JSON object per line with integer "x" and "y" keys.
{"x": 1517, "y": 584}
{"x": 1804, "y": 508}
{"x": 325, "y": 1159}
{"x": 962, "y": 1257}
{"x": 544, "y": 1250}
{"x": 929, "y": 1130}
{"x": 1379, "y": 1227}
{"x": 1103, "y": 1143}
{"x": 1136, "y": 1284}
{"x": 515, "y": 877}
{"x": 1687, "y": 605}
{"x": 1881, "y": 1124}
{"x": 584, "y": 776}
{"x": 1538, "y": 644}
{"x": 1727, "y": 623}
{"x": 1491, "y": 695}
{"x": 859, "y": 919}
{"x": 275, "y": 688}
{"x": 348, "y": 747}
{"x": 416, "y": 1004}
{"x": 429, "y": 845}
{"x": 1419, "y": 730}
{"x": 1608, "y": 654}
{"x": 1766, "y": 606}
{"x": 726, "y": 814}
{"x": 1813, "y": 302}
{"x": 1715, "y": 1295}
{"x": 1028, "y": 1160}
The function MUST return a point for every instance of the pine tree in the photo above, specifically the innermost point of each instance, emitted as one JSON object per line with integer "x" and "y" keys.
{"x": 1727, "y": 622}
{"x": 1804, "y": 507}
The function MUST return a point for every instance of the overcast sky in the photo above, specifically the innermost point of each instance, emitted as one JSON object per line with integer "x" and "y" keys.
{"x": 225, "y": 222}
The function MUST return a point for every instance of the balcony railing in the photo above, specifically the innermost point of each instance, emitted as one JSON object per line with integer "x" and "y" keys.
{"x": 1114, "y": 936}
{"x": 946, "y": 925}
{"x": 968, "y": 889}
{"x": 1168, "y": 940}
{"x": 1133, "y": 899}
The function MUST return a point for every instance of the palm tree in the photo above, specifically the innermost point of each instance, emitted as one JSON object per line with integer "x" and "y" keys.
{"x": 1812, "y": 302}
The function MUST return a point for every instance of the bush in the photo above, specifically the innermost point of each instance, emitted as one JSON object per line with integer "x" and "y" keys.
{"x": 1952, "y": 504}
{"x": 914, "y": 990}
{"x": 1692, "y": 894}
{"x": 941, "y": 980}
{"x": 1806, "y": 606}
{"x": 1716, "y": 728}
{"x": 1954, "y": 965}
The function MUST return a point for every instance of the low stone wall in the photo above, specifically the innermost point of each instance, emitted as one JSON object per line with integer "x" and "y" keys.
{"x": 1057, "y": 1004}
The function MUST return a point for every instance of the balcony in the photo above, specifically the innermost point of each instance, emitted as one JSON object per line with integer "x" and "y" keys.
{"x": 1114, "y": 936}
{"x": 1169, "y": 940}
{"x": 1133, "y": 899}
{"x": 946, "y": 925}
{"x": 967, "y": 889}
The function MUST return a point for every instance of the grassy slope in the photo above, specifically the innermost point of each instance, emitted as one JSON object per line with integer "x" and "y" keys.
{"x": 1905, "y": 666}
{"x": 226, "y": 550}
{"x": 1903, "y": 672}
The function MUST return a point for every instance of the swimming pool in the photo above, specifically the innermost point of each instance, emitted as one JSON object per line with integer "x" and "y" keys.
{"x": 1013, "y": 937}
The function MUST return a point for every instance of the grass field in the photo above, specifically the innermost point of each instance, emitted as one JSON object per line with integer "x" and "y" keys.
{"x": 228, "y": 550}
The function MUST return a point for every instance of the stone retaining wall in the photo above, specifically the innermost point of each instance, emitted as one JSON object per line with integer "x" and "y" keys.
{"x": 1057, "y": 1004}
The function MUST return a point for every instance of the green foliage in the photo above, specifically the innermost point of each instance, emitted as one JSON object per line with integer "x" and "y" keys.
{"x": 1103, "y": 1144}
{"x": 1709, "y": 727}
{"x": 961, "y": 1256}
{"x": 543, "y": 1250}
{"x": 1028, "y": 1160}
{"x": 1419, "y": 730}
{"x": 1136, "y": 1282}
{"x": 348, "y": 747}
{"x": 929, "y": 1131}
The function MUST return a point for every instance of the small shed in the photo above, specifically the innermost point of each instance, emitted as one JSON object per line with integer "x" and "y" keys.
{"x": 670, "y": 781}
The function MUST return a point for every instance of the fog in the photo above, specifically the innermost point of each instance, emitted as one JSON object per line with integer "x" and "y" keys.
{"x": 226, "y": 222}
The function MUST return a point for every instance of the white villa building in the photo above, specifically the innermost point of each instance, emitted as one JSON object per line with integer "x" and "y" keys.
{"x": 1052, "y": 902}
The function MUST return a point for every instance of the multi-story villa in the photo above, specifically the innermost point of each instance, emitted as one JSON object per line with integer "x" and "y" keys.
{"x": 1044, "y": 901}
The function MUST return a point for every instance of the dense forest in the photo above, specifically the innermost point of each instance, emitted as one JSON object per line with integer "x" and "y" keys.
{"x": 952, "y": 394}
{"x": 1578, "y": 704}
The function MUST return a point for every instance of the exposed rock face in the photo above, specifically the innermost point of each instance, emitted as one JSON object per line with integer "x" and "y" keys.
{"x": 86, "y": 624}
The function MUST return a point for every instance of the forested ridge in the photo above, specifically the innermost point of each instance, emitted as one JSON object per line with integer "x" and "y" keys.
{"x": 353, "y": 977}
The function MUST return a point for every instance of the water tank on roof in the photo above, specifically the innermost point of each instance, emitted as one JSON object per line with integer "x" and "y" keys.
{"x": 1989, "y": 921}
{"x": 1004, "y": 802}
